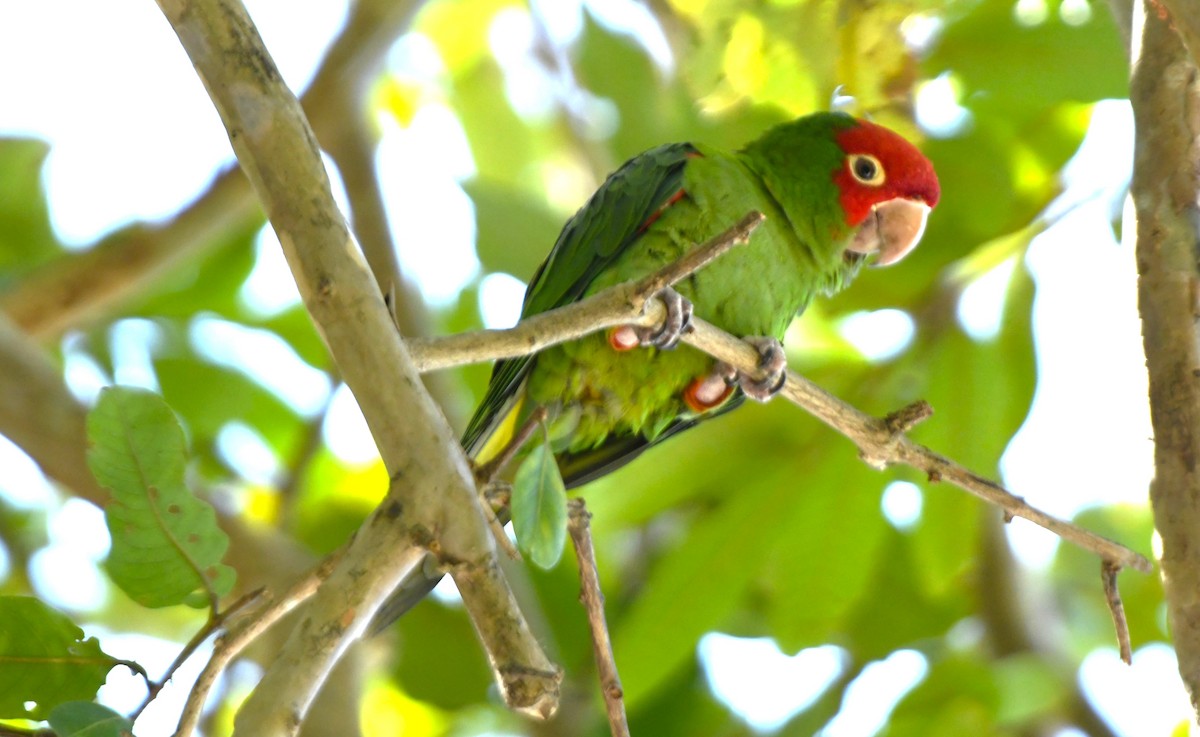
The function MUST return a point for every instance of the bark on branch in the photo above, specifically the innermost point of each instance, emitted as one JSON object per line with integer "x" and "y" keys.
{"x": 81, "y": 287}
{"x": 881, "y": 441}
{"x": 1165, "y": 93}
{"x": 431, "y": 502}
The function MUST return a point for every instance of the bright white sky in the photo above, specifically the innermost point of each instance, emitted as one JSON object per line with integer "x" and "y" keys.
{"x": 134, "y": 137}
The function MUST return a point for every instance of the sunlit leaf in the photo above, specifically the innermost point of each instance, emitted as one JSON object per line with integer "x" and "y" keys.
{"x": 45, "y": 659}
{"x": 166, "y": 542}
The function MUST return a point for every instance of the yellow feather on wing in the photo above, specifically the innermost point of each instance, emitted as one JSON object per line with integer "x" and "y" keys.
{"x": 501, "y": 434}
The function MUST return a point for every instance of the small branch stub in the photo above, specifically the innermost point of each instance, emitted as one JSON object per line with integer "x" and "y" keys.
{"x": 908, "y": 417}
{"x": 1108, "y": 574}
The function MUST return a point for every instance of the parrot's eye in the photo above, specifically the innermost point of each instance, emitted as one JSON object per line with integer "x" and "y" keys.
{"x": 866, "y": 169}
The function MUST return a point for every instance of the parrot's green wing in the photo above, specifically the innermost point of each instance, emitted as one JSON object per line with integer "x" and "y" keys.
{"x": 614, "y": 217}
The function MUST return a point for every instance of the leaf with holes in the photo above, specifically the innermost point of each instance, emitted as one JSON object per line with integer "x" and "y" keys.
{"x": 45, "y": 660}
{"x": 166, "y": 542}
{"x": 539, "y": 507}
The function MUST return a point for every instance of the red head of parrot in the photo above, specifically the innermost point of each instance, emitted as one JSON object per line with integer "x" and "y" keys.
{"x": 887, "y": 188}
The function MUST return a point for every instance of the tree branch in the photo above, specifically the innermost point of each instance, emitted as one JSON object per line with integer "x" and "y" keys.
{"x": 431, "y": 501}
{"x": 1166, "y": 108}
{"x": 243, "y": 630}
{"x": 881, "y": 441}
{"x": 1185, "y": 21}
{"x": 81, "y": 287}
{"x": 623, "y": 304}
{"x": 579, "y": 527}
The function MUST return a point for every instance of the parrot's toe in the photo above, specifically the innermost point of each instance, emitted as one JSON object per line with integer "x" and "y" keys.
{"x": 677, "y": 322}
{"x": 772, "y": 366}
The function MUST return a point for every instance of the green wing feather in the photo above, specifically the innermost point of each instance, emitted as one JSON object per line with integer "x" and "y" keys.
{"x": 603, "y": 228}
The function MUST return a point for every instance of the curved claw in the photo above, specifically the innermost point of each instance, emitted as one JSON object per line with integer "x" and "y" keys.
{"x": 664, "y": 337}
{"x": 772, "y": 363}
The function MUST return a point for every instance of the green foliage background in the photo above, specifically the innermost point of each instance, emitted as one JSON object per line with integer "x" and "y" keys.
{"x": 763, "y": 523}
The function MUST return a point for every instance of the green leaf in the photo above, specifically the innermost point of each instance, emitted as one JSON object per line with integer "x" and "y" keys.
{"x": 438, "y": 658}
{"x": 26, "y": 237}
{"x": 958, "y": 697}
{"x": 539, "y": 507}
{"x": 85, "y": 719}
{"x": 911, "y": 616}
{"x": 830, "y": 532}
{"x": 1023, "y": 67}
{"x": 166, "y": 542}
{"x": 1030, "y": 688}
{"x": 514, "y": 229}
{"x": 1073, "y": 581}
{"x": 698, "y": 585}
{"x": 45, "y": 659}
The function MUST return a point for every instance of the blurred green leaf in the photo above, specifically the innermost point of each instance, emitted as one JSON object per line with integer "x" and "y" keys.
{"x": 210, "y": 396}
{"x": 698, "y": 584}
{"x": 26, "y": 237}
{"x": 1075, "y": 580}
{"x": 830, "y": 532}
{"x": 539, "y": 507}
{"x": 44, "y": 659}
{"x": 85, "y": 719}
{"x": 515, "y": 230}
{"x": 980, "y": 392}
{"x": 958, "y": 697}
{"x": 438, "y": 656}
{"x": 911, "y": 616}
{"x": 166, "y": 542}
{"x": 1029, "y": 689}
{"x": 1025, "y": 66}
{"x": 212, "y": 283}
{"x": 682, "y": 707}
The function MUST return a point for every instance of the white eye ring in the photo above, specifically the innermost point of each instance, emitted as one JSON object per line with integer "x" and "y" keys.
{"x": 866, "y": 168}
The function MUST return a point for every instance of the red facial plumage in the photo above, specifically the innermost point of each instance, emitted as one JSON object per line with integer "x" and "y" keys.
{"x": 908, "y": 174}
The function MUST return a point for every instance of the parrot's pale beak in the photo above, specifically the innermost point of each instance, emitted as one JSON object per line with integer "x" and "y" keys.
{"x": 892, "y": 230}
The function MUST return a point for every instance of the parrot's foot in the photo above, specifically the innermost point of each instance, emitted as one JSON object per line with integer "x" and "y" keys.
{"x": 711, "y": 390}
{"x": 772, "y": 364}
{"x": 663, "y": 337}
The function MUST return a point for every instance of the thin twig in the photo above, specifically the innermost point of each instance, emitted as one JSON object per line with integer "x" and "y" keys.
{"x": 214, "y": 623}
{"x": 881, "y": 442}
{"x": 579, "y": 527}
{"x": 243, "y": 630}
{"x": 437, "y": 500}
{"x": 1108, "y": 574}
{"x": 623, "y": 304}
{"x": 879, "y": 446}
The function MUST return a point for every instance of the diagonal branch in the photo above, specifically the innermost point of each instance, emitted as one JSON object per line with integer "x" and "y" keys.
{"x": 1165, "y": 96}
{"x": 881, "y": 441}
{"x": 430, "y": 504}
{"x": 80, "y": 287}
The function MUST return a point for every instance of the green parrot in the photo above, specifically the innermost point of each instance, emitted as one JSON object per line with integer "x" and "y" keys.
{"x": 834, "y": 190}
